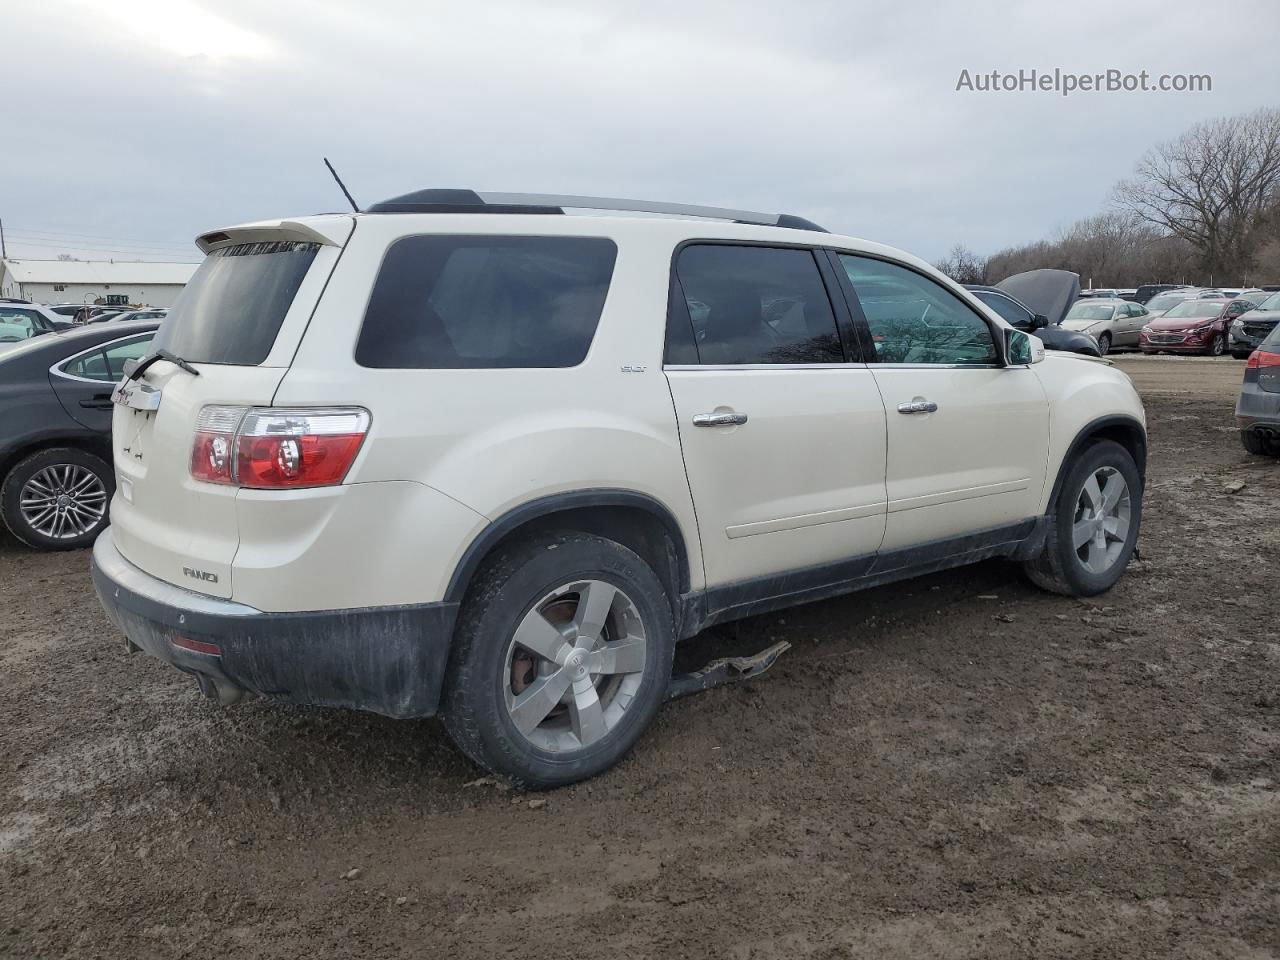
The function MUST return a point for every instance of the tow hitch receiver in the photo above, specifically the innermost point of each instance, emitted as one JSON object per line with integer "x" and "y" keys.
{"x": 727, "y": 670}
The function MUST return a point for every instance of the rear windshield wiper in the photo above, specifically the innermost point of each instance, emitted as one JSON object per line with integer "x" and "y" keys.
{"x": 160, "y": 354}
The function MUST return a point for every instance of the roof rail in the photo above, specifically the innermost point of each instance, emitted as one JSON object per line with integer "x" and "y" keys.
{"x": 471, "y": 201}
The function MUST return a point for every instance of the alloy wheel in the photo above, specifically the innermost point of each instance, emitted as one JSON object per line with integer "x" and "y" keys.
{"x": 1101, "y": 524}
{"x": 573, "y": 665}
{"x": 63, "y": 501}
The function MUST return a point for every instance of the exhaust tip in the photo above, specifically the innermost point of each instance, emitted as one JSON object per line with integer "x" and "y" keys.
{"x": 218, "y": 690}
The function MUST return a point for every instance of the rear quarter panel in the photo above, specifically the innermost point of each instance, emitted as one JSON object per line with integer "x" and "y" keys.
{"x": 482, "y": 442}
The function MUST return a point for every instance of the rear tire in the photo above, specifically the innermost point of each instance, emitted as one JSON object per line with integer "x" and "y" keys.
{"x": 1256, "y": 444}
{"x": 1082, "y": 568}
{"x": 528, "y": 627}
{"x": 57, "y": 499}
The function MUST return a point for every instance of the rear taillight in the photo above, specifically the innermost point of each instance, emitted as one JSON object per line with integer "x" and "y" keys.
{"x": 213, "y": 453}
{"x": 273, "y": 448}
{"x": 1260, "y": 358}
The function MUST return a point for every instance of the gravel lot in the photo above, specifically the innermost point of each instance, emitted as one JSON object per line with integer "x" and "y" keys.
{"x": 959, "y": 766}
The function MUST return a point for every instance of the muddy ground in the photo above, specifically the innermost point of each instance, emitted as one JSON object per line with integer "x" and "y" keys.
{"x": 958, "y": 767}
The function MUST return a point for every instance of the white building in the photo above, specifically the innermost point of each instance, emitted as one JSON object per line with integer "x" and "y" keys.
{"x": 94, "y": 281}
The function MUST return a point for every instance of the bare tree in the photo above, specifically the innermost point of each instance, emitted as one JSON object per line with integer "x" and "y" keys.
{"x": 963, "y": 265}
{"x": 1209, "y": 186}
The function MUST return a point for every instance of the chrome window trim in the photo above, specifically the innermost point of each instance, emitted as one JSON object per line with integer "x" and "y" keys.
{"x": 57, "y": 371}
{"x": 947, "y": 366}
{"x": 726, "y": 367}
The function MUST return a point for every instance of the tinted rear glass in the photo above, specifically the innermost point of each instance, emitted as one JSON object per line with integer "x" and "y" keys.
{"x": 232, "y": 308}
{"x": 448, "y": 302}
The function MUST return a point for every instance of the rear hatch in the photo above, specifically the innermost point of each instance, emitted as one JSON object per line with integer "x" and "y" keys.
{"x": 236, "y": 326}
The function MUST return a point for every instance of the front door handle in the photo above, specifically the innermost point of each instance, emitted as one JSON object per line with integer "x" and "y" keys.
{"x": 99, "y": 401}
{"x": 719, "y": 419}
{"x": 918, "y": 406}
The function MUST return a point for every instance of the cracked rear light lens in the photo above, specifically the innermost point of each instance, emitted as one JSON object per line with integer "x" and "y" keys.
{"x": 271, "y": 448}
{"x": 212, "y": 454}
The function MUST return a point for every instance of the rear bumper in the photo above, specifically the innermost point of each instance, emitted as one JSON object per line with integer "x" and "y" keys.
{"x": 388, "y": 660}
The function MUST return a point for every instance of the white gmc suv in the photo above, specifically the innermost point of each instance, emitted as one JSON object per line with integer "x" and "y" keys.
{"x": 472, "y": 455}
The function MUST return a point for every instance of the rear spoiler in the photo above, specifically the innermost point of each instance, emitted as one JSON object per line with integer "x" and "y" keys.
{"x": 327, "y": 231}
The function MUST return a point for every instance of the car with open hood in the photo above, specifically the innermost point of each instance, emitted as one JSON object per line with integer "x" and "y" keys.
{"x": 1193, "y": 326}
{"x": 1113, "y": 323}
{"x": 1053, "y": 292}
{"x": 1250, "y": 328}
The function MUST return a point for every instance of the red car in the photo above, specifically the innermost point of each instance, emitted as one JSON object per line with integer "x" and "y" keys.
{"x": 1193, "y": 326}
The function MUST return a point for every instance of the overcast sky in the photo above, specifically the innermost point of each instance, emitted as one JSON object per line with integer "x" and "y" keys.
{"x": 139, "y": 123}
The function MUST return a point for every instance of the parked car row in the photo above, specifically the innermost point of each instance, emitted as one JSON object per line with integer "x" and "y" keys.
{"x": 21, "y": 319}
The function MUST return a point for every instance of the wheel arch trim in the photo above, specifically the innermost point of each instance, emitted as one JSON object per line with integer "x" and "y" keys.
{"x": 1087, "y": 434}
{"x": 546, "y": 506}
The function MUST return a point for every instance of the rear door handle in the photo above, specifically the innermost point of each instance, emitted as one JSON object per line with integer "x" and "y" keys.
{"x": 719, "y": 419}
{"x": 918, "y": 406}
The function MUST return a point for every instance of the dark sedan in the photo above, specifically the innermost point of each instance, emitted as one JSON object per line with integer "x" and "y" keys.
{"x": 1019, "y": 315}
{"x": 1258, "y": 409}
{"x": 55, "y": 435}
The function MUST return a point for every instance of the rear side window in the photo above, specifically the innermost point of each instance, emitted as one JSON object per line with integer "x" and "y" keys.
{"x": 469, "y": 302}
{"x": 234, "y": 304}
{"x": 754, "y": 305}
{"x": 107, "y": 363}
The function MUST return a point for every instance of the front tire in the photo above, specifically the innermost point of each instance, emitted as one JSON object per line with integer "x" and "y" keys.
{"x": 1094, "y": 528}
{"x": 1218, "y": 346}
{"x": 57, "y": 499}
{"x": 562, "y": 657}
{"x": 1104, "y": 344}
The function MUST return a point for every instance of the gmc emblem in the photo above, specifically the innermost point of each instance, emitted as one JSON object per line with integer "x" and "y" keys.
{"x": 204, "y": 575}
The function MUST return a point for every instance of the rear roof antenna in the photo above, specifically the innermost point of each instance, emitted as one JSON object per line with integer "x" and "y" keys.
{"x": 347, "y": 193}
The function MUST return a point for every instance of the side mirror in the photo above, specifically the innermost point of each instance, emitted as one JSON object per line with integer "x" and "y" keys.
{"x": 1039, "y": 321}
{"x": 1021, "y": 348}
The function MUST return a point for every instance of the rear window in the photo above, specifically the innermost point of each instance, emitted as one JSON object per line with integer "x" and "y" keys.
{"x": 232, "y": 308}
{"x": 467, "y": 302}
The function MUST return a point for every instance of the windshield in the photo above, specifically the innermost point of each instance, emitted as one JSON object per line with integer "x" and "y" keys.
{"x": 1195, "y": 308}
{"x": 1271, "y": 303}
{"x": 232, "y": 309}
{"x": 16, "y": 324}
{"x": 1090, "y": 311}
{"x": 1163, "y": 303}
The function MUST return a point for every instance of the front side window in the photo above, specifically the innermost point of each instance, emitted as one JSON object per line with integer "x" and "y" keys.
{"x": 756, "y": 305}
{"x": 914, "y": 319}
{"x": 474, "y": 302}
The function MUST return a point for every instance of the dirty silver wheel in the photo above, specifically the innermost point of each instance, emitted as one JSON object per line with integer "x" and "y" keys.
{"x": 1101, "y": 526}
{"x": 574, "y": 665}
{"x": 63, "y": 501}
